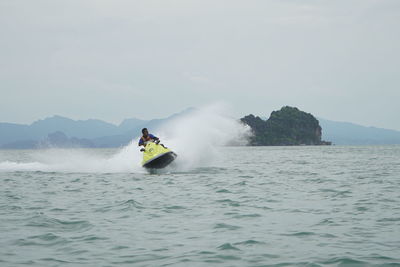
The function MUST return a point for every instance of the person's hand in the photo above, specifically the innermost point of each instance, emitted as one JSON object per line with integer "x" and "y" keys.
{"x": 142, "y": 150}
{"x": 157, "y": 141}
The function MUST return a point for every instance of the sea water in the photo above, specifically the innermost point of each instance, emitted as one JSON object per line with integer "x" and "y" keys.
{"x": 246, "y": 206}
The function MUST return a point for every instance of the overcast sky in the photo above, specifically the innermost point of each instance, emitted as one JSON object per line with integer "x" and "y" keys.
{"x": 116, "y": 59}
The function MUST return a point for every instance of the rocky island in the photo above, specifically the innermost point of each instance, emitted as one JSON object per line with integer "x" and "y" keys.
{"x": 288, "y": 126}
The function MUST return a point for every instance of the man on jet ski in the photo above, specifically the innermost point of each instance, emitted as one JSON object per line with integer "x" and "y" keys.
{"x": 146, "y": 137}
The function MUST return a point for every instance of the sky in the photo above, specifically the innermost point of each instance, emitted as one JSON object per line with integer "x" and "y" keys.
{"x": 117, "y": 59}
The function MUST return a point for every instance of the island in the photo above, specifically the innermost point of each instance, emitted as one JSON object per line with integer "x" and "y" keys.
{"x": 288, "y": 126}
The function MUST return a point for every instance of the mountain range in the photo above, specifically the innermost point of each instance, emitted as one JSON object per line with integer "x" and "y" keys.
{"x": 346, "y": 133}
{"x": 64, "y": 132}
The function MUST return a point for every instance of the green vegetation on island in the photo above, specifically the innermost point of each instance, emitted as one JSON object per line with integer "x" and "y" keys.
{"x": 286, "y": 127}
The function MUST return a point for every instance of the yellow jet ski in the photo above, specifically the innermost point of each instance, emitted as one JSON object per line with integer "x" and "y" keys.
{"x": 156, "y": 156}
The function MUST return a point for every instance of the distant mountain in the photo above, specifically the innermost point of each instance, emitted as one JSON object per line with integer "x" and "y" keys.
{"x": 81, "y": 128}
{"x": 345, "y": 133}
{"x": 57, "y": 139}
{"x": 58, "y": 131}
{"x": 21, "y": 144}
{"x": 60, "y": 140}
{"x": 10, "y": 133}
{"x": 129, "y": 124}
{"x": 97, "y": 133}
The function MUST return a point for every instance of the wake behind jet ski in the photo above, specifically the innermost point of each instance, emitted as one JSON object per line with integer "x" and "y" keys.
{"x": 155, "y": 155}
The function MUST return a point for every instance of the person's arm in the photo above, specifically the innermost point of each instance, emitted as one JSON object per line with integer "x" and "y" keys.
{"x": 140, "y": 142}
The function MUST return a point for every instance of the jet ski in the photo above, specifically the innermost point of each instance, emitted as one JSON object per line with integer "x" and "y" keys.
{"x": 156, "y": 156}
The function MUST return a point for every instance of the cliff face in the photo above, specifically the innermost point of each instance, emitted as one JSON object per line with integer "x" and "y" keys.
{"x": 288, "y": 126}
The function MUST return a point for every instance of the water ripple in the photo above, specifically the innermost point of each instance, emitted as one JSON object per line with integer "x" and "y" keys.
{"x": 227, "y": 246}
{"x": 44, "y": 221}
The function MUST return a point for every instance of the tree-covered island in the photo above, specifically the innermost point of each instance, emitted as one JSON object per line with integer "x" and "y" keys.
{"x": 286, "y": 127}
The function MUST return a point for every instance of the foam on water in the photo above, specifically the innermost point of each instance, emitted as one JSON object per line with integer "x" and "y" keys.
{"x": 18, "y": 166}
{"x": 126, "y": 159}
{"x": 195, "y": 137}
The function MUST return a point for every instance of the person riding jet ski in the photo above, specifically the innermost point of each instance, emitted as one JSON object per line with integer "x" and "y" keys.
{"x": 146, "y": 137}
{"x": 155, "y": 155}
